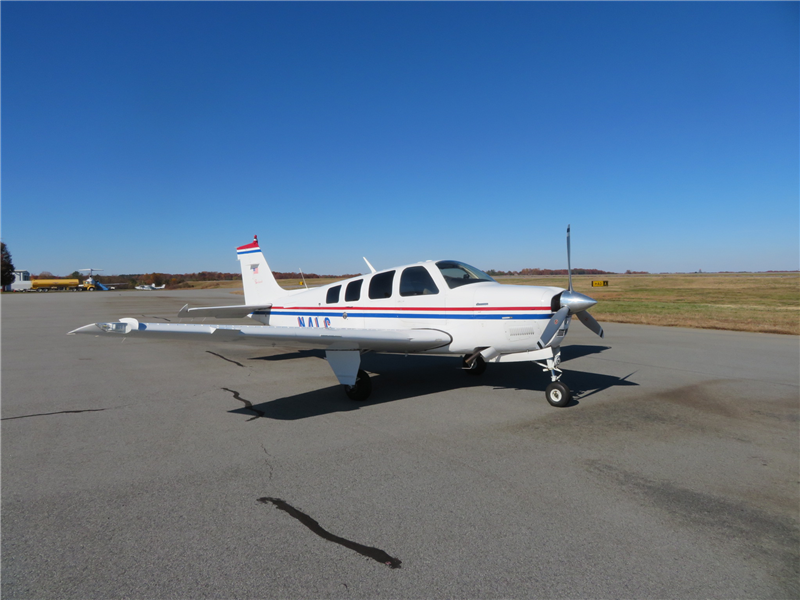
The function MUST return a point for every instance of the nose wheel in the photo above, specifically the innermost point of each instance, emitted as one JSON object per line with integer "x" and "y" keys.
{"x": 558, "y": 394}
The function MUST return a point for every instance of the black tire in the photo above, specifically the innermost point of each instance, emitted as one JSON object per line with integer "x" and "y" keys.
{"x": 558, "y": 394}
{"x": 362, "y": 389}
{"x": 478, "y": 367}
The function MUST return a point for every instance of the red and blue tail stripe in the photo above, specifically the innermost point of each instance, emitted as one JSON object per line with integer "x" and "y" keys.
{"x": 249, "y": 248}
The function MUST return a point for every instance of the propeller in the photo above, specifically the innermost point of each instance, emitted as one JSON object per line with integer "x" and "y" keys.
{"x": 570, "y": 303}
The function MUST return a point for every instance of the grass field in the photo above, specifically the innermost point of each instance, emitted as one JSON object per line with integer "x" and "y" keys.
{"x": 762, "y": 302}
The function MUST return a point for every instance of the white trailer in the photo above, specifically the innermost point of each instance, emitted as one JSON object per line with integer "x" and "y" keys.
{"x": 21, "y": 283}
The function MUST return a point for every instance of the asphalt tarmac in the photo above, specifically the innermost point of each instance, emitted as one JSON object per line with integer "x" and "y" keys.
{"x": 136, "y": 469}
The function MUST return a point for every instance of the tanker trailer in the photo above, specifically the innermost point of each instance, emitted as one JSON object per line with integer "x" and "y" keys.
{"x": 45, "y": 285}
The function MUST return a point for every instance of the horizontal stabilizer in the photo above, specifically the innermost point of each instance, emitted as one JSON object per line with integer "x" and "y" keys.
{"x": 380, "y": 340}
{"x": 221, "y": 312}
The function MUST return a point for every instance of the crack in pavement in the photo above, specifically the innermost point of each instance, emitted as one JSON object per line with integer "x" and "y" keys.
{"x": 155, "y": 317}
{"x": 375, "y": 554}
{"x": 223, "y": 358}
{"x": 247, "y": 404}
{"x": 60, "y": 412}
{"x": 269, "y": 464}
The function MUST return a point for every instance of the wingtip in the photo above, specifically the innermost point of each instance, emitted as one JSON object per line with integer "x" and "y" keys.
{"x": 90, "y": 328}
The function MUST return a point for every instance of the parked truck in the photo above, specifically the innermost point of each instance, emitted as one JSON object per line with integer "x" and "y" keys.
{"x": 73, "y": 285}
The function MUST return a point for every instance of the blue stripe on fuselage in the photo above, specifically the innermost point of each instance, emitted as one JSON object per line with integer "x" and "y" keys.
{"x": 404, "y": 315}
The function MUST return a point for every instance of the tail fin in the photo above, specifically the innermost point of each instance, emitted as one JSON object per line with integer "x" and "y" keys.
{"x": 260, "y": 286}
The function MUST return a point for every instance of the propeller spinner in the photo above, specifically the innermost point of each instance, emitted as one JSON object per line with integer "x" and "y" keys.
{"x": 570, "y": 303}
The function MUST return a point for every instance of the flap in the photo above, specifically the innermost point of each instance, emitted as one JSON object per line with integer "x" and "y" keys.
{"x": 222, "y": 312}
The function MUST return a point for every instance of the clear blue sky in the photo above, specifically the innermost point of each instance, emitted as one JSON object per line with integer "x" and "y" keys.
{"x": 148, "y": 136}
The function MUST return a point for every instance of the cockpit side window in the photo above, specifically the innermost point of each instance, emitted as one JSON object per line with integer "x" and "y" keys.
{"x": 333, "y": 294}
{"x": 416, "y": 281}
{"x": 353, "y": 291}
{"x": 457, "y": 273}
{"x": 380, "y": 286}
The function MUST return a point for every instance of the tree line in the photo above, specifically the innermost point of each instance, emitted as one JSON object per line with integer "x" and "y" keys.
{"x": 173, "y": 280}
{"x": 537, "y": 272}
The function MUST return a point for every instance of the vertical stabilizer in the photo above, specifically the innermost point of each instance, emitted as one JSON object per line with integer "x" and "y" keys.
{"x": 260, "y": 286}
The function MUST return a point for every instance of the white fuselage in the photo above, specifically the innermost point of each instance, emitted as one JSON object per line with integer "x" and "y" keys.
{"x": 480, "y": 314}
{"x": 432, "y": 307}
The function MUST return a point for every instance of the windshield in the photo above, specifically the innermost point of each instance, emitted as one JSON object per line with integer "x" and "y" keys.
{"x": 457, "y": 273}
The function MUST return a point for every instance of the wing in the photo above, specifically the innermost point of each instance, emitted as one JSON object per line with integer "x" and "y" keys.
{"x": 381, "y": 340}
{"x": 222, "y": 312}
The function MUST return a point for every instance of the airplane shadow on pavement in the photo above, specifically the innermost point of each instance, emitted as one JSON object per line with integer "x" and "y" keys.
{"x": 397, "y": 377}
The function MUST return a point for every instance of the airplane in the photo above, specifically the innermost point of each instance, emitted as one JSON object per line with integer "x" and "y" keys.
{"x": 440, "y": 307}
{"x": 91, "y": 283}
{"x": 151, "y": 287}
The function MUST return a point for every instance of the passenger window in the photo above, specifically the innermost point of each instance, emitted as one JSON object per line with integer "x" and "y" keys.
{"x": 333, "y": 294}
{"x": 353, "y": 291}
{"x": 416, "y": 281}
{"x": 380, "y": 286}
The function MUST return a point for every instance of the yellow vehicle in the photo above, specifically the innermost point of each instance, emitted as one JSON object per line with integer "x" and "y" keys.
{"x": 73, "y": 285}
{"x": 43, "y": 285}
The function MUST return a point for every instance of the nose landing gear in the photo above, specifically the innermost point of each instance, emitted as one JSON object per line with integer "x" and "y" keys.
{"x": 557, "y": 393}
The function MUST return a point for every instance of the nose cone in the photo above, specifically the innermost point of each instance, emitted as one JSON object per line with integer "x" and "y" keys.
{"x": 576, "y": 302}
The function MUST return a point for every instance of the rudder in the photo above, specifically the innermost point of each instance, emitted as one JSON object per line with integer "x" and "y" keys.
{"x": 259, "y": 283}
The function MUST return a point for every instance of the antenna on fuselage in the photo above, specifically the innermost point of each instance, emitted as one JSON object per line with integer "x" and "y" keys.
{"x": 304, "y": 278}
{"x": 371, "y": 268}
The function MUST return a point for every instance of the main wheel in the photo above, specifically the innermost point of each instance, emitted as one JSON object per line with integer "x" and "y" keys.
{"x": 362, "y": 389}
{"x": 478, "y": 367}
{"x": 558, "y": 394}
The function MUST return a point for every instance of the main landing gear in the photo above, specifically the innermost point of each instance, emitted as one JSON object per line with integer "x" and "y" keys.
{"x": 476, "y": 366}
{"x": 362, "y": 389}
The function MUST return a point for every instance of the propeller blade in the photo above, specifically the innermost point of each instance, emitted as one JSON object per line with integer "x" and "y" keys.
{"x": 556, "y": 321}
{"x": 569, "y": 265}
{"x": 590, "y": 322}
